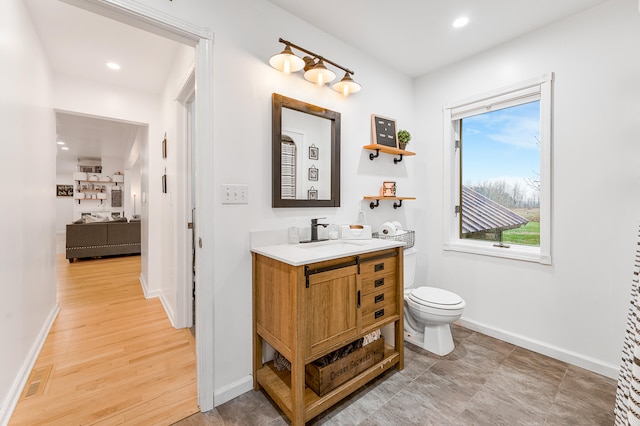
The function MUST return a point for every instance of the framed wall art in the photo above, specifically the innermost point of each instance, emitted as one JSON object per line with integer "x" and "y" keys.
{"x": 164, "y": 146}
{"x": 312, "y": 194}
{"x": 314, "y": 152}
{"x": 65, "y": 190}
{"x": 313, "y": 173}
{"x": 116, "y": 197}
{"x": 384, "y": 131}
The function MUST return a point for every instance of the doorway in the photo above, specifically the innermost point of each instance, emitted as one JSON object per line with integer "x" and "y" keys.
{"x": 200, "y": 202}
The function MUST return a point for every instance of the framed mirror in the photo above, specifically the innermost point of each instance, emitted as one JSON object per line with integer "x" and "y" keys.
{"x": 305, "y": 154}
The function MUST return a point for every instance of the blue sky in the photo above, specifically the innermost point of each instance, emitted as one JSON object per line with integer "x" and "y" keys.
{"x": 502, "y": 144}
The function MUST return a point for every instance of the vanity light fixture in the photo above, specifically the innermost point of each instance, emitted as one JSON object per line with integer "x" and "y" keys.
{"x": 346, "y": 86}
{"x": 314, "y": 67}
{"x": 286, "y": 61}
{"x": 319, "y": 74}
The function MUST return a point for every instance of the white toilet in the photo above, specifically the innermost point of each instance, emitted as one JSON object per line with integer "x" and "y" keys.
{"x": 428, "y": 311}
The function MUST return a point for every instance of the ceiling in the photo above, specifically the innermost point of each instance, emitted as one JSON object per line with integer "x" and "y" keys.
{"x": 78, "y": 44}
{"x": 413, "y": 36}
{"x": 91, "y": 138}
{"x": 416, "y": 36}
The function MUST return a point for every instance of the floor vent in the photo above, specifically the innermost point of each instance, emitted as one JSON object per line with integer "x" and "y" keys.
{"x": 37, "y": 381}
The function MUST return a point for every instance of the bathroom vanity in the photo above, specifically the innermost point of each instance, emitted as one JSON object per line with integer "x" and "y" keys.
{"x": 311, "y": 299}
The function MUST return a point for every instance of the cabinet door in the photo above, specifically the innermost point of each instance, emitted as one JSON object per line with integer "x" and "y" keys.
{"x": 331, "y": 308}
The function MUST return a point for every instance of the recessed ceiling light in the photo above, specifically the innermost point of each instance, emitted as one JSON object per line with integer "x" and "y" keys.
{"x": 460, "y": 22}
{"x": 113, "y": 66}
{"x": 60, "y": 143}
{"x": 66, "y": 148}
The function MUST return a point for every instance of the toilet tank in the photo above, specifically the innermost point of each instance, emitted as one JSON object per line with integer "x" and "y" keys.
{"x": 410, "y": 263}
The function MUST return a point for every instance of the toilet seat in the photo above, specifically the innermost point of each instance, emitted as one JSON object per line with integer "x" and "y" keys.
{"x": 436, "y": 298}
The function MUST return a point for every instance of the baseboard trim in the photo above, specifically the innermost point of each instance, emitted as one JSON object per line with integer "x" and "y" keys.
{"x": 143, "y": 284}
{"x": 573, "y": 358}
{"x": 167, "y": 310}
{"x": 11, "y": 400}
{"x": 233, "y": 390}
{"x": 145, "y": 289}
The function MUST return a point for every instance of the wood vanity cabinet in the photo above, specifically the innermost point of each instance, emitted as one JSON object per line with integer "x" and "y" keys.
{"x": 305, "y": 312}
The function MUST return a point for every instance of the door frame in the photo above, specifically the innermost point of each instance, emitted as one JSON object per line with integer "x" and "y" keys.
{"x": 147, "y": 18}
{"x": 184, "y": 236}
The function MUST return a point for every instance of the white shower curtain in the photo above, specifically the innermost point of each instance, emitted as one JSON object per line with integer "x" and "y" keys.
{"x": 627, "y": 409}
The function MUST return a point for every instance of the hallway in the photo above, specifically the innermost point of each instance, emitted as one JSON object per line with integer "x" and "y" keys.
{"x": 112, "y": 356}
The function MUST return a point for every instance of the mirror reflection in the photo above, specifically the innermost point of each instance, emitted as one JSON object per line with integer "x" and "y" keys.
{"x": 306, "y": 154}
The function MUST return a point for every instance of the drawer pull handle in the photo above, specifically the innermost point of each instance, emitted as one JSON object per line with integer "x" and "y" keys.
{"x": 379, "y": 298}
{"x": 379, "y": 282}
{"x": 379, "y": 313}
{"x": 378, "y": 267}
{"x": 358, "y": 299}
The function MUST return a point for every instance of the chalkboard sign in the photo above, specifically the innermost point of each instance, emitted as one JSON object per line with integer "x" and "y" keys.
{"x": 384, "y": 131}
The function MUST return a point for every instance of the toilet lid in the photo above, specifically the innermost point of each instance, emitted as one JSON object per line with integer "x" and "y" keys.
{"x": 435, "y": 296}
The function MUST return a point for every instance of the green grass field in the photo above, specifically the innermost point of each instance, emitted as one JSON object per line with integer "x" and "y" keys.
{"x": 528, "y": 235}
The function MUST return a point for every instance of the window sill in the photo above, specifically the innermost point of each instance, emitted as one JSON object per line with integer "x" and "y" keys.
{"x": 515, "y": 252}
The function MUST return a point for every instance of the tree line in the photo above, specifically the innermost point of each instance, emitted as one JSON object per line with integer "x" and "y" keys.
{"x": 509, "y": 196}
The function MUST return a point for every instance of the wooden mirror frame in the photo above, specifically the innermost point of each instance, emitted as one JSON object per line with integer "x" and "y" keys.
{"x": 279, "y": 102}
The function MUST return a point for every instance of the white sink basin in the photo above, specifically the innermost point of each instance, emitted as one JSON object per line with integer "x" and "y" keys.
{"x": 335, "y": 244}
{"x": 304, "y": 253}
{"x": 337, "y": 247}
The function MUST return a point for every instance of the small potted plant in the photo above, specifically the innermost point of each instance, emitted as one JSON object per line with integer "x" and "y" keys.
{"x": 403, "y": 138}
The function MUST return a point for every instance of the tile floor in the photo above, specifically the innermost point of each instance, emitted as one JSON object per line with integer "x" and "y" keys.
{"x": 484, "y": 381}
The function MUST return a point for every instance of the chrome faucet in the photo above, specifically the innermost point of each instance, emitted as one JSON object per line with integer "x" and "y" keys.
{"x": 314, "y": 230}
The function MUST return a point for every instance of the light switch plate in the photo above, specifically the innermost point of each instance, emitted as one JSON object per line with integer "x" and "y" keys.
{"x": 233, "y": 193}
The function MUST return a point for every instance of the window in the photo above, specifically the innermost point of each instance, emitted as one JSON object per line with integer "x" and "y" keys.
{"x": 498, "y": 172}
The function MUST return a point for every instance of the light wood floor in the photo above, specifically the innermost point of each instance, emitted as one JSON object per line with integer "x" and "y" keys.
{"x": 112, "y": 357}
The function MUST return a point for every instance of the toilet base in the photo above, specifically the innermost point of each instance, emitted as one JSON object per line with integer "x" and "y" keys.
{"x": 436, "y": 339}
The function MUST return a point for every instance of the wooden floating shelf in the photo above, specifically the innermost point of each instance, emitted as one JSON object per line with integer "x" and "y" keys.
{"x": 99, "y": 181}
{"x": 388, "y": 150}
{"x": 377, "y": 199}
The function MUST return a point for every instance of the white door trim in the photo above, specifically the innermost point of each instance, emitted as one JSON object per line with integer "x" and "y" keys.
{"x": 183, "y": 239}
{"x": 144, "y": 17}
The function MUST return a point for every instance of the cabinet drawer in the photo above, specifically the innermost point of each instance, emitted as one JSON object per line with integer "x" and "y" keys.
{"x": 379, "y": 267}
{"x": 378, "y": 314}
{"x": 379, "y": 298}
{"x": 378, "y": 283}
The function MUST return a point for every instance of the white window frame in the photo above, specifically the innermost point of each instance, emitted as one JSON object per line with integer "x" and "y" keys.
{"x": 538, "y": 88}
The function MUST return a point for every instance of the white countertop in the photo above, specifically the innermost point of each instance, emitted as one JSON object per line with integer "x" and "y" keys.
{"x": 305, "y": 253}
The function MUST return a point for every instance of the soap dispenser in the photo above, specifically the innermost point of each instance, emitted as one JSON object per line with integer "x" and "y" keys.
{"x": 362, "y": 219}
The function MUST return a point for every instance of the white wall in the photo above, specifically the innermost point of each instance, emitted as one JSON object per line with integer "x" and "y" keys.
{"x": 27, "y": 247}
{"x": 246, "y": 34}
{"x": 64, "y": 205}
{"x": 576, "y": 308}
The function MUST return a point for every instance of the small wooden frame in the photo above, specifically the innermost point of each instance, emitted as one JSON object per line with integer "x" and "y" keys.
{"x": 383, "y": 131}
{"x": 388, "y": 189}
